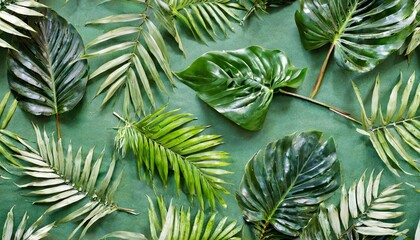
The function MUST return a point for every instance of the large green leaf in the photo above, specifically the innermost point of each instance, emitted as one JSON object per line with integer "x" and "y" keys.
{"x": 45, "y": 74}
{"x": 176, "y": 223}
{"x": 162, "y": 143}
{"x": 284, "y": 183}
{"x": 12, "y": 14}
{"x": 240, "y": 84}
{"x": 23, "y": 233}
{"x": 364, "y": 211}
{"x": 65, "y": 179}
{"x": 362, "y": 33}
{"x": 394, "y": 132}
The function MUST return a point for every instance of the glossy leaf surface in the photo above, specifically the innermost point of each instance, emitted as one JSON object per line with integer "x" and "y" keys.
{"x": 45, "y": 74}
{"x": 284, "y": 183}
{"x": 240, "y": 84}
{"x": 362, "y": 32}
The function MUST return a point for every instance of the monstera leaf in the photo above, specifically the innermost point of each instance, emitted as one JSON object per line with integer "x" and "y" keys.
{"x": 284, "y": 184}
{"x": 362, "y": 32}
{"x": 240, "y": 84}
{"x": 364, "y": 211}
{"x": 45, "y": 74}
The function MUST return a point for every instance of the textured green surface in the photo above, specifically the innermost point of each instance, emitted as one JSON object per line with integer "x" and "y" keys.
{"x": 88, "y": 125}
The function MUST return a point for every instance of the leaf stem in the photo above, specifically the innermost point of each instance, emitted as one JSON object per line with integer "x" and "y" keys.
{"x": 57, "y": 124}
{"x": 331, "y": 108}
{"x": 322, "y": 72}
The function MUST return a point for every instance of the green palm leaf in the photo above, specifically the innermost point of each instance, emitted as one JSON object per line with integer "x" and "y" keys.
{"x": 11, "y": 14}
{"x": 203, "y": 17}
{"x": 284, "y": 184}
{"x": 176, "y": 223}
{"x": 362, "y": 33}
{"x": 6, "y": 114}
{"x": 65, "y": 179}
{"x": 161, "y": 142}
{"x": 23, "y": 233}
{"x": 262, "y": 5}
{"x": 394, "y": 133}
{"x": 364, "y": 211}
{"x": 414, "y": 40}
{"x": 138, "y": 51}
{"x": 240, "y": 84}
{"x": 45, "y": 75}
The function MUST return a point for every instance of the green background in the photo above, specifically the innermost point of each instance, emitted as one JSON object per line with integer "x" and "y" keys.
{"x": 88, "y": 125}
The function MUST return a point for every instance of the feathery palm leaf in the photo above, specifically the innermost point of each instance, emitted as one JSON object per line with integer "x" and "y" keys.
{"x": 21, "y": 232}
{"x": 284, "y": 184}
{"x": 361, "y": 33}
{"x": 363, "y": 212}
{"x": 161, "y": 142}
{"x": 175, "y": 223}
{"x": 5, "y": 135}
{"x": 396, "y": 132}
{"x": 11, "y": 14}
{"x": 202, "y": 17}
{"x": 65, "y": 179}
{"x": 138, "y": 50}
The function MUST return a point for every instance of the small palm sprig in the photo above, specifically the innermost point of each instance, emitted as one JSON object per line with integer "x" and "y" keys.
{"x": 364, "y": 211}
{"x": 208, "y": 16}
{"x": 397, "y": 129}
{"x": 21, "y": 232}
{"x": 175, "y": 223}
{"x": 161, "y": 142}
{"x": 11, "y": 12}
{"x": 5, "y": 135}
{"x": 139, "y": 51}
{"x": 67, "y": 179}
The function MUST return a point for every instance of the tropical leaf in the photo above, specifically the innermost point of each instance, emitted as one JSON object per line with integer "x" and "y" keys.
{"x": 65, "y": 180}
{"x": 362, "y": 33}
{"x": 394, "y": 133}
{"x": 201, "y": 17}
{"x": 12, "y": 14}
{"x": 6, "y": 137}
{"x": 262, "y": 5}
{"x": 414, "y": 40}
{"x": 161, "y": 142}
{"x": 240, "y": 84}
{"x": 417, "y": 236}
{"x": 23, "y": 233}
{"x": 363, "y": 212}
{"x": 125, "y": 235}
{"x": 284, "y": 184}
{"x": 138, "y": 50}
{"x": 176, "y": 223}
{"x": 45, "y": 73}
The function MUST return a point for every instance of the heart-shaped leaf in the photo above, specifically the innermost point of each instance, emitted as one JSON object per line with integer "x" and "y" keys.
{"x": 240, "y": 84}
{"x": 284, "y": 183}
{"x": 45, "y": 74}
{"x": 362, "y": 32}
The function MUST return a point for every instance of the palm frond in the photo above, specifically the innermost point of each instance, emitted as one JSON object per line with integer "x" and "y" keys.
{"x": 12, "y": 13}
{"x": 7, "y": 110}
{"x": 22, "y": 232}
{"x": 64, "y": 180}
{"x": 138, "y": 50}
{"x": 161, "y": 142}
{"x": 395, "y": 133}
{"x": 363, "y": 211}
{"x": 204, "y": 17}
{"x": 176, "y": 223}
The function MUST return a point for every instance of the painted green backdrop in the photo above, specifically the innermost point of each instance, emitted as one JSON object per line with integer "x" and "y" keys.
{"x": 89, "y": 125}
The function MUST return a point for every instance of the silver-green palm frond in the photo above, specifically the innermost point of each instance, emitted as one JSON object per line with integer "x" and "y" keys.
{"x": 11, "y": 14}
{"x": 364, "y": 211}
{"x": 23, "y": 233}
{"x": 64, "y": 179}
{"x": 161, "y": 142}
{"x": 208, "y": 16}
{"x": 395, "y": 134}
{"x": 138, "y": 51}
{"x": 176, "y": 223}
{"x": 7, "y": 110}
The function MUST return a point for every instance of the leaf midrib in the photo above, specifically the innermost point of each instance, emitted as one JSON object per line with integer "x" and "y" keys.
{"x": 346, "y": 22}
{"x": 51, "y": 71}
{"x": 393, "y": 124}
